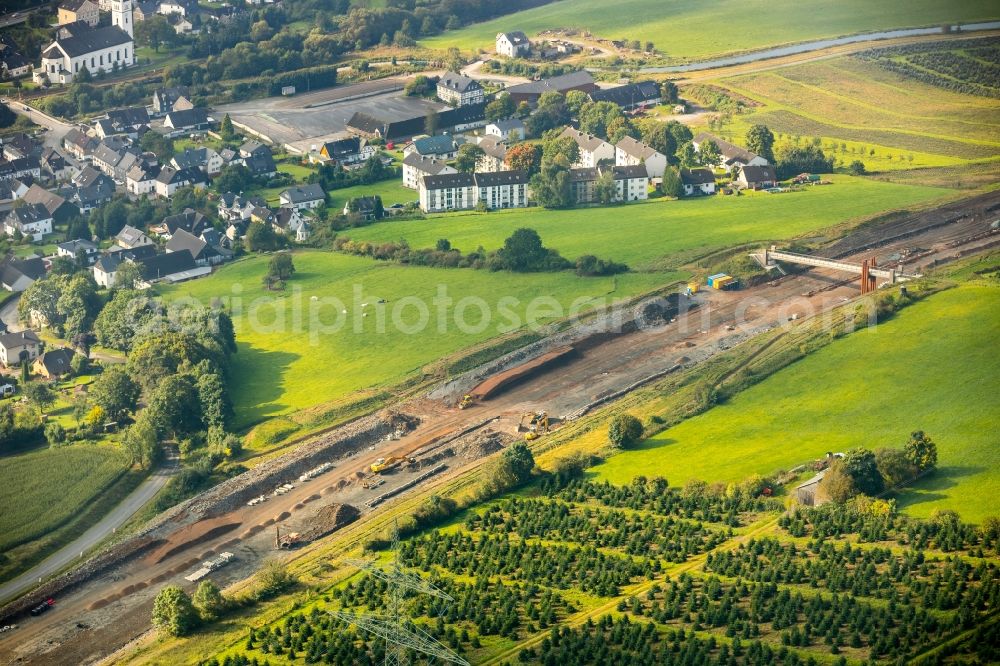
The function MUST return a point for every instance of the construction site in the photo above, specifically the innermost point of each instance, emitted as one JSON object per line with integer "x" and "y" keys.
{"x": 284, "y": 506}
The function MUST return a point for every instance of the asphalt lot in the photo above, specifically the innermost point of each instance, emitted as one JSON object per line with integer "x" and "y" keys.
{"x": 301, "y": 121}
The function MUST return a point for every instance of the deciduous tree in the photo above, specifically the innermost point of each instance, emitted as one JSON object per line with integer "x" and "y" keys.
{"x": 173, "y": 611}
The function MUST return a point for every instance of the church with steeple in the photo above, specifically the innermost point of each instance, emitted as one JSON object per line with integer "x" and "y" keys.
{"x": 80, "y": 46}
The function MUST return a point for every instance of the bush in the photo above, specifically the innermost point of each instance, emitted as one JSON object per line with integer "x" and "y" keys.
{"x": 173, "y": 611}
{"x": 624, "y": 431}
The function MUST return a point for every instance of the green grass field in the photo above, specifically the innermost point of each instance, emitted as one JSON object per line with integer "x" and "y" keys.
{"x": 689, "y": 30}
{"x": 52, "y": 486}
{"x": 639, "y": 234}
{"x": 283, "y": 367}
{"x": 852, "y": 102}
{"x": 933, "y": 368}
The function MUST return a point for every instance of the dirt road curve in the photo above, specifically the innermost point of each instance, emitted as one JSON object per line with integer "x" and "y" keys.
{"x": 101, "y": 615}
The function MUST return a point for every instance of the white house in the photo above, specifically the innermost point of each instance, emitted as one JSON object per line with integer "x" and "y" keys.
{"x": 494, "y": 155}
{"x": 511, "y": 130}
{"x": 130, "y": 238}
{"x": 79, "y": 46}
{"x": 459, "y": 90}
{"x": 18, "y": 347}
{"x": 730, "y": 155}
{"x": 512, "y": 44}
{"x": 629, "y": 152}
{"x": 464, "y": 191}
{"x": 593, "y": 149}
{"x": 416, "y": 167}
{"x": 170, "y": 180}
{"x": 697, "y": 181}
{"x": 303, "y": 197}
{"x": 141, "y": 180}
{"x": 73, "y": 248}
{"x": 32, "y": 221}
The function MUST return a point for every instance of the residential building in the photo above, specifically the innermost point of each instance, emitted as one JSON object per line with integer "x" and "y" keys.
{"x": 459, "y": 90}
{"x": 416, "y": 167}
{"x": 511, "y": 129}
{"x": 203, "y": 253}
{"x": 12, "y": 63}
{"x": 22, "y": 167}
{"x": 19, "y": 274}
{"x": 141, "y": 179}
{"x": 530, "y": 92}
{"x": 303, "y": 197}
{"x": 512, "y": 44}
{"x": 494, "y": 155}
{"x": 258, "y": 158}
{"x": 170, "y": 180}
{"x": 98, "y": 49}
{"x": 57, "y": 206}
{"x": 234, "y": 206}
{"x": 76, "y": 249}
{"x": 166, "y": 100}
{"x": 593, "y": 149}
{"x": 79, "y": 144}
{"x": 368, "y": 208}
{"x": 18, "y": 347}
{"x": 85, "y": 11}
{"x": 31, "y": 221}
{"x": 630, "y": 152}
{"x": 54, "y": 363}
{"x": 190, "y": 221}
{"x": 442, "y": 147}
{"x": 123, "y": 121}
{"x": 464, "y": 191}
{"x": 697, "y": 181}
{"x": 130, "y": 238}
{"x": 177, "y": 266}
{"x": 730, "y": 155}
{"x": 351, "y": 150}
{"x": 291, "y": 222}
{"x": 57, "y": 165}
{"x": 631, "y": 183}
{"x": 757, "y": 177}
{"x": 186, "y": 121}
{"x": 105, "y": 269}
{"x": 631, "y": 96}
{"x": 205, "y": 159}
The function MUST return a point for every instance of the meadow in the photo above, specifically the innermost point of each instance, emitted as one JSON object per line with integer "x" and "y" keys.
{"x": 930, "y": 368}
{"x": 690, "y": 31}
{"x": 286, "y": 365}
{"x": 52, "y": 486}
{"x": 643, "y": 233}
{"x": 854, "y": 102}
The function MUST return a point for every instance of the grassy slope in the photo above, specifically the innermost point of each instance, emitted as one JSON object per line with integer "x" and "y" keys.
{"x": 932, "y": 368}
{"x": 698, "y": 30}
{"x": 641, "y": 233}
{"x": 55, "y": 484}
{"x": 281, "y": 369}
{"x": 851, "y": 101}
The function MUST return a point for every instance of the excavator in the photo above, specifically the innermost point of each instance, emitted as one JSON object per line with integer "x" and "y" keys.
{"x": 537, "y": 425}
{"x": 384, "y": 464}
{"x": 466, "y": 401}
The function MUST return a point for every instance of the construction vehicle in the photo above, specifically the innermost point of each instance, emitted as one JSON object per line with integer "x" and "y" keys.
{"x": 466, "y": 401}
{"x": 537, "y": 425}
{"x": 385, "y": 464}
{"x": 286, "y": 541}
{"x": 372, "y": 482}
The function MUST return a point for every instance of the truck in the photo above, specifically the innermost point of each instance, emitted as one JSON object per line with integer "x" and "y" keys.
{"x": 286, "y": 541}
{"x": 43, "y": 607}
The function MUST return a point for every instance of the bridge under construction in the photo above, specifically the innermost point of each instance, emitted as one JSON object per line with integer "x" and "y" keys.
{"x": 867, "y": 271}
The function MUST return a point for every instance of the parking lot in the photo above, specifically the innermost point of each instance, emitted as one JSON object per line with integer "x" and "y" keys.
{"x": 304, "y": 120}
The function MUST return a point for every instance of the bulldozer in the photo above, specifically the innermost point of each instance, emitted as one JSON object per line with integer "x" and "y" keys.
{"x": 537, "y": 425}
{"x": 466, "y": 401}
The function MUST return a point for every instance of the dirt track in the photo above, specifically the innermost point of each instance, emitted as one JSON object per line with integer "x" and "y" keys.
{"x": 103, "y": 614}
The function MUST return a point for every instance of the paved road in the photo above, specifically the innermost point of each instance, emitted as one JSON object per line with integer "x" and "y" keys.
{"x": 97, "y": 533}
{"x": 57, "y": 128}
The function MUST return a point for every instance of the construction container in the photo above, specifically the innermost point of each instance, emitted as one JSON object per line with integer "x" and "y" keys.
{"x": 693, "y": 287}
{"x": 721, "y": 282}
{"x": 713, "y": 278}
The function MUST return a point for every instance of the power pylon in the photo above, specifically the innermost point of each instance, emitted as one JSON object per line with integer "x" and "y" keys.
{"x": 398, "y": 632}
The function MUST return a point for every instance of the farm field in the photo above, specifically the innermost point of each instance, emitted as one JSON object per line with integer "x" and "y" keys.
{"x": 853, "y": 102}
{"x": 690, "y": 31}
{"x": 872, "y": 388}
{"x": 585, "y": 573}
{"x": 643, "y": 233}
{"x": 275, "y": 370}
{"x": 63, "y": 481}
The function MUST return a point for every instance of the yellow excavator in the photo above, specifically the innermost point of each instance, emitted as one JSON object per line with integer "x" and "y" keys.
{"x": 538, "y": 424}
{"x": 383, "y": 464}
